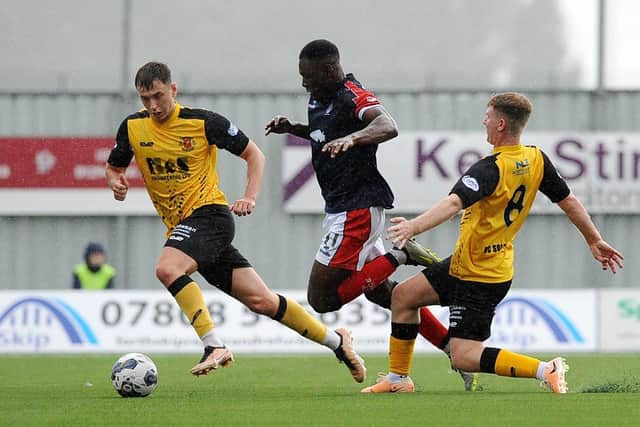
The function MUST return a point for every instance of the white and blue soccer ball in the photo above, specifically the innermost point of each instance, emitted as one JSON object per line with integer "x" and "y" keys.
{"x": 134, "y": 375}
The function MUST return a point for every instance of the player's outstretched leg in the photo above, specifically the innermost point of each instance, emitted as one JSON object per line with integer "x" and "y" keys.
{"x": 212, "y": 359}
{"x": 251, "y": 290}
{"x": 509, "y": 364}
{"x": 294, "y": 316}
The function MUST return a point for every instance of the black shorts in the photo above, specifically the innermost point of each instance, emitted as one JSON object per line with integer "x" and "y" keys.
{"x": 206, "y": 237}
{"x": 472, "y": 305}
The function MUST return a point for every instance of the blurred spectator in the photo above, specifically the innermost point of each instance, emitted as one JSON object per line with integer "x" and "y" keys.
{"x": 94, "y": 273}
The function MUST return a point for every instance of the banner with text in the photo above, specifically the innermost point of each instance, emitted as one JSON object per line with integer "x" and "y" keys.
{"x": 602, "y": 169}
{"x": 63, "y": 176}
{"x": 151, "y": 321}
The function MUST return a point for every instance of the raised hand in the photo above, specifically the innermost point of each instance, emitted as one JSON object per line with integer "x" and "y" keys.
{"x": 279, "y": 124}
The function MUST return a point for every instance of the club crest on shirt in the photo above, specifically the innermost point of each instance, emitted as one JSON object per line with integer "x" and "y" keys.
{"x": 318, "y": 136}
{"x": 187, "y": 143}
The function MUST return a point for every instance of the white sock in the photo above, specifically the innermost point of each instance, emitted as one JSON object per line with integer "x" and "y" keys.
{"x": 210, "y": 339}
{"x": 332, "y": 340}
{"x": 399, "y": 255}
{"x": 540, "y": 372}
{"x": 395, "y": 378}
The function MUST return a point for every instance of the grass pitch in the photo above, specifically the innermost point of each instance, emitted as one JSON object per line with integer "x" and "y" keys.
{"x": 300, "y": 390}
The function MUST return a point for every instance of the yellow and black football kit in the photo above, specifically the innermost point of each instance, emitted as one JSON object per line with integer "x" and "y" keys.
{"x": 177, "y": 159}
{"x": 497, "y": 193}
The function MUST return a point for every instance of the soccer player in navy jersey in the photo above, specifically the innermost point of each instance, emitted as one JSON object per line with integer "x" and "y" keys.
{"x": 346, "y": 122}
{"x": 176, "y": 150}
{"x": 496, "y": 194}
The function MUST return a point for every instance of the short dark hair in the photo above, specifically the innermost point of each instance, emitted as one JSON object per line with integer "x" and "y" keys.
{"x": 515, "y": 107}
{"x": 320, "y": 50}
{"x": 152, "y": 71}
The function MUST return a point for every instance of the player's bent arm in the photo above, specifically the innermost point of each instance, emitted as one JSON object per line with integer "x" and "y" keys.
{"x": 442, "y": 211}
{"x": 403, "y": 230}
{"x": 255, "y": 169}
{"x": 578, "y": 215}
{"x": 300, "y": 130}
{"x": 381, "y": 127}
{"x": 281, "y": 124}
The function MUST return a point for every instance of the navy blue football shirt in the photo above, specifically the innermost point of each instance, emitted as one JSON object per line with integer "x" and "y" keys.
{"x": 350, "y": 180}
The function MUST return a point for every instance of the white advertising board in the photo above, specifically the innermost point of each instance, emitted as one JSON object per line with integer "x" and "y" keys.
{"x": 619, "y": 313}
{"x": 118, "y": 321}
{"x": 421, "y": 167}
{"x": 540, "y": 320}
{"x": 150, "y": 321}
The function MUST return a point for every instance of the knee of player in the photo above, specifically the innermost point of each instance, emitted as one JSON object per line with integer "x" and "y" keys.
{"x": 401, "y": 298}
{"x": 164, "y": 274}
{"x": 323, "y": 304}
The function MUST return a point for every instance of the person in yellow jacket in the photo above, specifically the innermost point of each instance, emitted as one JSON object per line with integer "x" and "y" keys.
{"x": 94, "y": 273}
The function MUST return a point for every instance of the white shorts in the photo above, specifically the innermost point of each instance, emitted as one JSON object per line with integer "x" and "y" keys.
{"x": 352, "y": 238}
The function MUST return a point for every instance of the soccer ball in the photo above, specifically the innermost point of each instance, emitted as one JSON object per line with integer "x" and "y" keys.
{"x": 134, "y": 375}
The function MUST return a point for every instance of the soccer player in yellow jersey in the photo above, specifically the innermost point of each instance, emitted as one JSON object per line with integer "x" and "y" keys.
{"x": 176, "y": 150}
{"x": 496, "y": 194}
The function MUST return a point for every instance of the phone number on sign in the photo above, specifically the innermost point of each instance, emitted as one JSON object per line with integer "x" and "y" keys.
{"x": 166, "y": 313}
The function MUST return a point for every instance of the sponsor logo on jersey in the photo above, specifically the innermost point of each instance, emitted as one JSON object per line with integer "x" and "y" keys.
{"x": 146, "y": 143}
{"x": 470, "y": 182}
{"x": 522, "y": 167}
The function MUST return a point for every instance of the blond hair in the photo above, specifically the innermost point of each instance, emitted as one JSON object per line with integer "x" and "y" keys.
{"x": 515, "y": 107}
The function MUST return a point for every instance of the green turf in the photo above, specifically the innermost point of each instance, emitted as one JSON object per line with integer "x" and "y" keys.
{"x": 311, "y": 390}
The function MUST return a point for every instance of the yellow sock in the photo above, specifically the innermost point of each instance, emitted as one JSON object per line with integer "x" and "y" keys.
{"x": 191, "y": 301}
{"x": 510, "y": 364}
{"x": 292, "y": 315}
{"x": 400, "y": 355}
